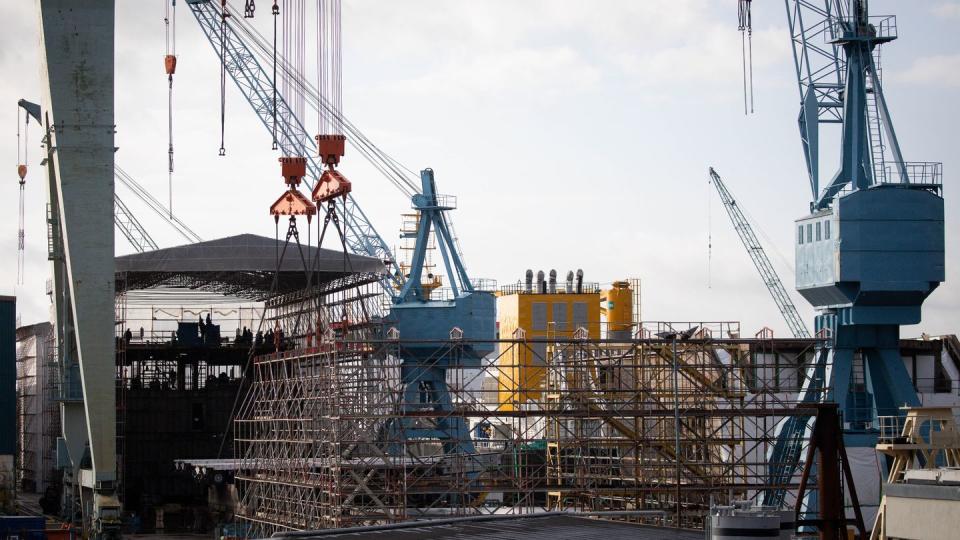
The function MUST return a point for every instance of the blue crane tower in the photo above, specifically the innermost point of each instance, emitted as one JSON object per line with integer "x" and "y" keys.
{"x": 428, "y": 325}
{"x": 872, "y": 247}
{"x": 424, "y": 323}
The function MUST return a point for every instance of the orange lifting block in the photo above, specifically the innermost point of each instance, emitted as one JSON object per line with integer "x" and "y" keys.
{"x": 293, "y": 203}
{"x": 331, "y": 148}
{"x": 170, "y": 64}
{"x": 293, "y": 169}
{"x": 332, "y": 184}
{"x": 22, "y": 172}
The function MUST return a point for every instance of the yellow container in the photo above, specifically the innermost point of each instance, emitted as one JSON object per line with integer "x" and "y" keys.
{"x": 617, "y": 306}
{"x": 541, "y": 318}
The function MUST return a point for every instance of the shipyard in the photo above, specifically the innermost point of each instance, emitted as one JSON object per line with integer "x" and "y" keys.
{"x": 672, "y": 269}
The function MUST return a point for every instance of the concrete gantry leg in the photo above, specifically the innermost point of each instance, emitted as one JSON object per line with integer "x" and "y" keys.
{"x": 77, "y": 45}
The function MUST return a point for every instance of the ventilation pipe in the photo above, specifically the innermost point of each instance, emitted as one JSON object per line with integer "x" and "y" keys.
{"x": 528, "y": 282}
{"x": 541, "y": 283}
{"x": 553, "y": 282}
{"x": 569, "y": 282}
{"x": 579, "y": 281}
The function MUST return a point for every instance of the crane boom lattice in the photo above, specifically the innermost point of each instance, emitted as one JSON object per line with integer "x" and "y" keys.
{"x": 760, "y": 260}
{"x": 256, "y": 86}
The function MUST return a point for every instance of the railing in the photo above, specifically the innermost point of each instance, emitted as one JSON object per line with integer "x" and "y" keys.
{"x": 921, "y": 174}
{"x": 924, "y": 173}
{"x": 934, "y": 428}
{"x": 936, "y": 385}
{"x": 695, "y": 329}
{"x": 484, "y": 284}
{"x": 879, "y": 27}
{"x": 446, "y": 202}
{"x": 521, "y": 288}
{"x": 891, "y": 429}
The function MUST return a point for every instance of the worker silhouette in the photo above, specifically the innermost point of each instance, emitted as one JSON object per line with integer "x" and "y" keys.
{"x": 203, "y": 328}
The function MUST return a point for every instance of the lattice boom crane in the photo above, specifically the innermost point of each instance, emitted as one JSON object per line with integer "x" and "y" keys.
{"x": 760, "y": 260}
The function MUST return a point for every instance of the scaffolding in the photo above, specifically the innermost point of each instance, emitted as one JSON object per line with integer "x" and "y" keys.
{"x": 38, "y": 418}
{"x": 677, "y": 417}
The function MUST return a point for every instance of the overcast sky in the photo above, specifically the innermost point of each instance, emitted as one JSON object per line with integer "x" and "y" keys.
{"x": 576, "y": 134}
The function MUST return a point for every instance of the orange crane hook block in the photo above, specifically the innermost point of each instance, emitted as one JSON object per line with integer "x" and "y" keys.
{"x": 331, "y": 185}
{"x": 170, "y": 64}
{"x": 293, "y": 203}
{"x": 331, "y": 148}
{"x": 22, "y": 172}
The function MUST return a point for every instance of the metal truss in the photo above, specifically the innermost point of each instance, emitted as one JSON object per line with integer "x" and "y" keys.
{"x": 131, "y": 228}
{"x": 760, "y": 260}
{"x": 640, "y": 424}
{"x": 256, "y": 85}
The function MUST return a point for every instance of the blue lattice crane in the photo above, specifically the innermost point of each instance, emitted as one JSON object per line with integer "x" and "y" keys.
{"x": 872, "y": 247}
{"x": 760, "y": 259}
{"x": 426, "y": 321}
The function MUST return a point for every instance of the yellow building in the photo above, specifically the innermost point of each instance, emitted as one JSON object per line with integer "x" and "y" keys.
{"x": 544, "y": 311}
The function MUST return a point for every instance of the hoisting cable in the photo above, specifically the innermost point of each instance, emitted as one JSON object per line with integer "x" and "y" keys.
{"x": 745, "y": 25}
{"x": 22, "y": 173}
{"x": 709, "y": 232}
{"x": 394, "y": 171}
{"x": 170, "y": 66}
{"x": 275, "y": 11}
{"x": 321, "y": 48}
{"x": 223, "y": 73}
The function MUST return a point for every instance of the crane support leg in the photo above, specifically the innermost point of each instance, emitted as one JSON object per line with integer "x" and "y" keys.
{"x": 77, "y": 46}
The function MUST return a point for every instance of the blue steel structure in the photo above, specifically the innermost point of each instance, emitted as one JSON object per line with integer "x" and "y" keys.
{"x": 872, "y": 248}
{"x": 427, "y": 325}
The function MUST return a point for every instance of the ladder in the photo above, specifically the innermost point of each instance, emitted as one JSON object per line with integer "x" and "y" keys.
{"x": 878, "y": 146}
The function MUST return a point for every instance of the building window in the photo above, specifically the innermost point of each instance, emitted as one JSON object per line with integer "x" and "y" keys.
{"x": 809, "y": 232}
{"x": 826, "y": 229}
{"x": 818, "y": 231}
{"x": 538, "y": 314}
{"x": 800, "y": 234}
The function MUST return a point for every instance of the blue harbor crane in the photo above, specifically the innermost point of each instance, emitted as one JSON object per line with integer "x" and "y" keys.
{"x": 871, "y": 249}
{"x": 429, "y": 324}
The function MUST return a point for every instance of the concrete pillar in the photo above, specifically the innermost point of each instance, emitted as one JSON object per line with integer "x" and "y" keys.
{"x": 77, "y": 45}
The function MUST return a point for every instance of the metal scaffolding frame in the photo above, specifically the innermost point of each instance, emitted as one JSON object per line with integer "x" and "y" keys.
{"x": 38, "y": 418}
{"x": 604, "y": 425}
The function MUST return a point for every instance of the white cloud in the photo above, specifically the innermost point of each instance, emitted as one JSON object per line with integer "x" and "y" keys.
{"x": 941, "y": 69}
{"x": 947, "y": 9}
{"x": 535, "y": 73}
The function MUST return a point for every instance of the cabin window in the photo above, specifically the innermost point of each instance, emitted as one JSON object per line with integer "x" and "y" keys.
{"x": 809, "y": 232}
{"x": 818, "y": 231}
{"x": 800, "y": 234}
{"x": 826, "y": 229}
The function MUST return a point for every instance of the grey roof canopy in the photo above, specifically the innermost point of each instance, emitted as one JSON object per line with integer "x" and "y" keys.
{"x": 242, "y": 265}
